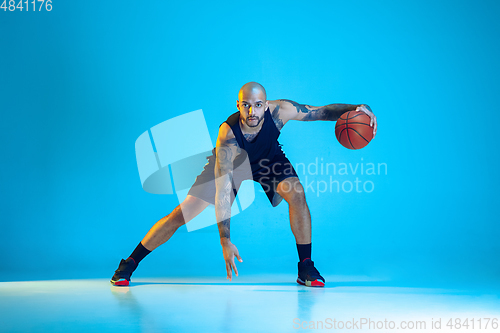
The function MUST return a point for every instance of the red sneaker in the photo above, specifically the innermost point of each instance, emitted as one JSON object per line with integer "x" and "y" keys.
{"x": 124, "y": 272}
{"x": 309, "y": 275}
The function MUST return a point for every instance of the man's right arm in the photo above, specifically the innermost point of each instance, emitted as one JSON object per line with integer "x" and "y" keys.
{"x": 226, "y": 151}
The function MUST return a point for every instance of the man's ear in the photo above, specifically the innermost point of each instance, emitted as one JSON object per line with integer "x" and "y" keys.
{"x": 238, "y": 104}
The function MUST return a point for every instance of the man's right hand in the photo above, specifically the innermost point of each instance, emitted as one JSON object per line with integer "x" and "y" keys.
{"x": 230, "y": 251}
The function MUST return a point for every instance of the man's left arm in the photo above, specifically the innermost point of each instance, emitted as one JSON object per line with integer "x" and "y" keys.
{"x": 290, "y": 110}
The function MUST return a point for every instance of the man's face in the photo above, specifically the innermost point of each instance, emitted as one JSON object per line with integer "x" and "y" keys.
{"x": 252, "y": 106}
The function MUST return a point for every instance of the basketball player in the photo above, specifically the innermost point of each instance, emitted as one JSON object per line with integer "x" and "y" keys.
{"x": 250, "y": 133}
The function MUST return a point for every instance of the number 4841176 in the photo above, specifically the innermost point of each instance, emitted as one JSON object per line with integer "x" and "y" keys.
{"x": 26, "y": 5}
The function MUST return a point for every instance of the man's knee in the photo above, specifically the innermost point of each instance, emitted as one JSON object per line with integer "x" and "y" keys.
{"x": 292, "y": 191}
{"x": 189, "y": 209}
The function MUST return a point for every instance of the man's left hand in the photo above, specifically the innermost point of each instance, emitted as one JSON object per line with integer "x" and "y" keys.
{"x": 373, "y": 120}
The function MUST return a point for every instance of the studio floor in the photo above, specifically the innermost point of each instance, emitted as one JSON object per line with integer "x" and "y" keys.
{"x": 248, "y": 304}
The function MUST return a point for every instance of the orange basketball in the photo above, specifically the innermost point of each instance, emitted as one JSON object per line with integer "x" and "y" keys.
{"x": 353, "y": 129}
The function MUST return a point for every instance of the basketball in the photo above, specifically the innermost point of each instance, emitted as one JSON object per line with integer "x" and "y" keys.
{"x": 353, "y": 129}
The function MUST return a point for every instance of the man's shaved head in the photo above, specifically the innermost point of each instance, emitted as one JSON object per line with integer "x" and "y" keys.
{"x": 252, "y": 103}
{"x": 252, "y": 88}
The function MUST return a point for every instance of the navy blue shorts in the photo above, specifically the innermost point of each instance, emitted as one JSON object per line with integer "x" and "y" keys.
{"x": 268, "y": 175}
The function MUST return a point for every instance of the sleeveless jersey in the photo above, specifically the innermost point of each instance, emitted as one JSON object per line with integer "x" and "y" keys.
{"x": 264, "y": 147}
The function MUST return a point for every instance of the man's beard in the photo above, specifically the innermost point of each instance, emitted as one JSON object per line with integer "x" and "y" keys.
{"x": 259, "y": 119}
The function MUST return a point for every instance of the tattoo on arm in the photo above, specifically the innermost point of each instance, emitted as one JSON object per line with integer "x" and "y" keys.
{"x": 224, "y": 186}
{"x": 299, "y": 107}
{"x": 231, "y": 142}
{"x": 223, "y": 206}
{"x": 224, "y": 157}
{"x": 277, "y": 121}
{"x": 224, "y": 229}
{"x": 330, "y": 112}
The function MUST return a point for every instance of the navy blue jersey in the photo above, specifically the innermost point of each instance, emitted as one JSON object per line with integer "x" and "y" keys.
{"x": 264, "y": 148}
{"x": 269, "y": 165}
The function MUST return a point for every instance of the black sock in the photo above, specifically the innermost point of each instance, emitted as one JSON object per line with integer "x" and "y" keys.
{"x": 304, "y": 251}
{"x": 139, "y": 253}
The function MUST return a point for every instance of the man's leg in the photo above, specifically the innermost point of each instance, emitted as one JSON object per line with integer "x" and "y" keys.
{"x": 157, "y": 235}
{"x": 300, "y": 221}
{"x": 165, "y": 227}
{"x": 300, "y": 218}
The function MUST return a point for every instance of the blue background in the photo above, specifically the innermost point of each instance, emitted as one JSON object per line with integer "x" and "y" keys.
{"x": 79, "y": 84}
